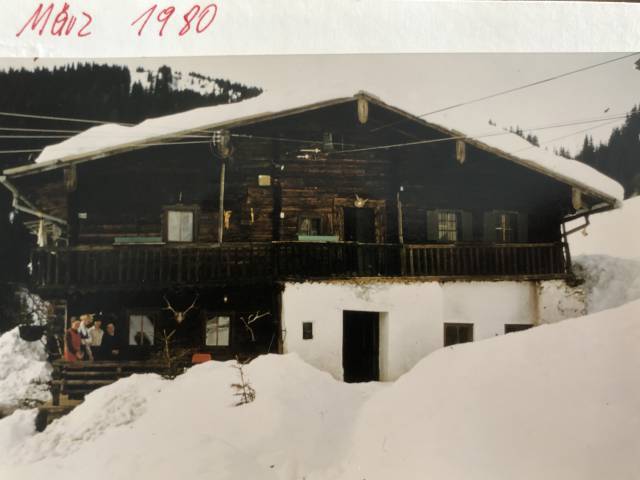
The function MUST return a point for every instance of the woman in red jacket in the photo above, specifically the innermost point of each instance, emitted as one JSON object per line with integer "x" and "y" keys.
{"x": 73, "y": 343}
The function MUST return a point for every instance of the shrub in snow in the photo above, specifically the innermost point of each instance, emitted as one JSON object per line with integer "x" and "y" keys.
{"x": 243, "y": 390}
{"x": 24, "y": 372}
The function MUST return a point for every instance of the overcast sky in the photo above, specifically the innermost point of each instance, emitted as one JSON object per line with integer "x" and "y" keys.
{"x": 427, "y": 82}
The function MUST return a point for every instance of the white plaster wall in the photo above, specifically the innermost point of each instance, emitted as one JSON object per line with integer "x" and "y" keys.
{"x": 559, "y": 301}
{"x": 411, "y": 321}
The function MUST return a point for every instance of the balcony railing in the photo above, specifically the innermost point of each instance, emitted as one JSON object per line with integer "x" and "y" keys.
{"x": 163, "y": 265}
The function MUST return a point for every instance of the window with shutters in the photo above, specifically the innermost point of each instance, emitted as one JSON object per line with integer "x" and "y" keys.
{"x": 506, "y": 227}
{"x": 180, "y": 224}
{"x": 449, "y": 226}
{"x": 457, "y": 333}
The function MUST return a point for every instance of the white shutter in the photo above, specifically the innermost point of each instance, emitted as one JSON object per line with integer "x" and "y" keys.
{"x": 179, "y": 226}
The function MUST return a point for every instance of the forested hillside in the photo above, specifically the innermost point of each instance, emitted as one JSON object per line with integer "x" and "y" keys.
{"x": 620, "y": 156}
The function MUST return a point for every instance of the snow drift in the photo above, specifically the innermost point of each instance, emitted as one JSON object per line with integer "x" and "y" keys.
{"x": 24, "y": 371}
{"x": 559, "y": 401}
{"x": 613, "y": 233}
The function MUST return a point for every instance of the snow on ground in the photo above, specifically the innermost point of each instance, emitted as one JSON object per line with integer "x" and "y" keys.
{"x": 24, "y": 371}
{"x": 144, "y": 426}
{"x": 558, "y": 401}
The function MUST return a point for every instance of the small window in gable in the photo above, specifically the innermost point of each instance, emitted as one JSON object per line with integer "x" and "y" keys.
{"x": 217, "y": 330}
{"x": 309, "y": 225}
{"x": 180, "y": 224}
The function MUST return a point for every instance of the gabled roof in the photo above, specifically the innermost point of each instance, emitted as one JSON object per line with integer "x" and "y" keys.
{"x": 110, "y": 139}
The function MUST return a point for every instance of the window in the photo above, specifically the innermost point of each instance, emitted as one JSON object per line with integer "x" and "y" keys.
{"x": 448, "y": 226}
{"x": 457, "y": 333}
{"x": 309, "y": 226}
{"x": 180, "y": 225}
{"x": 506, "y": 227}
{"x": 141, "y": 330}
{"x": 307, "y": 330}
{"x": 217, "y": 331}
{"x": 516, "y": 327}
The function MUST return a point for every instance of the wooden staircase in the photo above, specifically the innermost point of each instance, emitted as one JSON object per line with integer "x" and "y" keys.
{"x": 72, "y": 381}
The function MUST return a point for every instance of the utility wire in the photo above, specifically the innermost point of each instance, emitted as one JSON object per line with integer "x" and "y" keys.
{"x": 511, "y": 90}
{"x": 60, "y": 119}
{"x": 141, "y": 146}
{"x": 472, "y": 137}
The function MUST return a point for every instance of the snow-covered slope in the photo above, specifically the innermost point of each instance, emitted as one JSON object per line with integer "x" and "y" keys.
{"x": 24, "y": 371}
{"x": 559, "y": 401}
{"x": 615, "y": 233}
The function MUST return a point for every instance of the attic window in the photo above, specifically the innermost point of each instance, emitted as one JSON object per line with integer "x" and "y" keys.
{"x": 180, "y": 224}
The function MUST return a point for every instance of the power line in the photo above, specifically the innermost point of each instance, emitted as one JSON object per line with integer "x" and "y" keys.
{"x": 60, "y": 119}
{"x": 201, "y": 142}
{"x": 37, "y": 130}
{"x": 511, "y": 90}
{"x": 471, "y": 137}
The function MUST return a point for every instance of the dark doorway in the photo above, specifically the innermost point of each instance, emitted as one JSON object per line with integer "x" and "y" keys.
{"x": 359, "y": 225}
{"x": 360, "y": 346}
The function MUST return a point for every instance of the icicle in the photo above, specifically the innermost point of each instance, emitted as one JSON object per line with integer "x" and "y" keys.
{"x": 42, "y": 236}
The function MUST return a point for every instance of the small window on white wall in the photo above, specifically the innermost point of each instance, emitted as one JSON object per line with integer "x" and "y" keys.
{"x": 217, "y": 330}
{"x": 180, "y": 225}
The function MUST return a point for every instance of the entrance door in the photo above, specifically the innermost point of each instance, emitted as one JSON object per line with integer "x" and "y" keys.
{"x": 360, "y": 346}
{"x": 359, "y": 225}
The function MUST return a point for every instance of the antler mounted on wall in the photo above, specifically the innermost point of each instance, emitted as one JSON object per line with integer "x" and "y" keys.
{"x": 180, "y": 316}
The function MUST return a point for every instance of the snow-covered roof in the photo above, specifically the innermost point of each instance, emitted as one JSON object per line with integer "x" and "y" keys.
{"x": 109, "y": 139}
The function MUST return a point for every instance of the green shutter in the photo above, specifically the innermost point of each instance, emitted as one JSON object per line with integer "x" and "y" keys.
{"x": 467, "y": 226}
{"x": 489, "y": 231}
{"x": 432, "y": 226}
{"x": 523, "y": 228}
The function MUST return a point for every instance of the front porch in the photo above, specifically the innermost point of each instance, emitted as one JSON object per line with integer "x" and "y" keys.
{"x": 87, "y": 268}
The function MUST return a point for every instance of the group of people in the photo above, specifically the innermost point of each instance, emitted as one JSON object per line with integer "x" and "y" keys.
{"x": 86, "y": 340}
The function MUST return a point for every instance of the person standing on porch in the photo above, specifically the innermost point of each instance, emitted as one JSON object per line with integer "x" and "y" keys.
{"x": 95, "y": 335}
{"x": 73, "y": 350}
{"x": 110, "y": 348}
{"x": 85, "y": 321}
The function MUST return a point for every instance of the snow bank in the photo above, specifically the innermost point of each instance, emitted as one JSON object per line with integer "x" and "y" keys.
{"x": 559, "y": 401}
{"x": 108, "y": 138}
{"x": 153, "y": 428}
{"x": 24, "y": 371}
{"x": 608, "y": 281}
{"x": 615, "y": 233}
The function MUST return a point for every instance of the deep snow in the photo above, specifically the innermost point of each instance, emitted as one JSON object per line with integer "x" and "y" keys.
{"x": 558, "y": 401}
{"x": 24, "y": 371}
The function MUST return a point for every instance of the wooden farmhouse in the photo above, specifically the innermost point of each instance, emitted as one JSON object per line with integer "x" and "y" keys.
{"x": 348, "y": 231}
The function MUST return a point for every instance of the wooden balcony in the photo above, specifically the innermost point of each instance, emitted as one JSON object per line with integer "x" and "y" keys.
{"x": 144, "y": 266}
